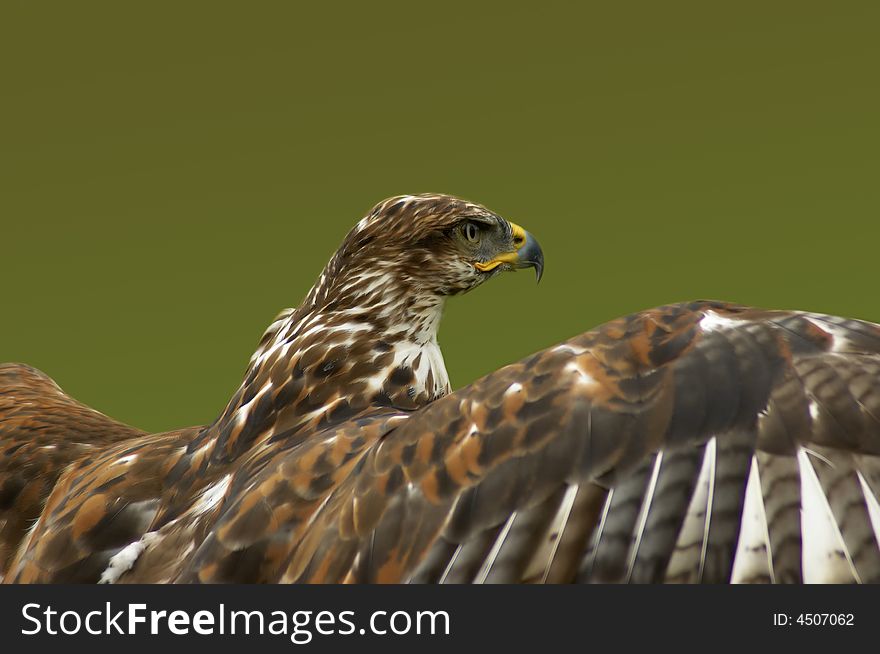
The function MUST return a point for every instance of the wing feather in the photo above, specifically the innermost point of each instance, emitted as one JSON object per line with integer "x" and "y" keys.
{"x": 42, "y": 431}
{"x": 630, "y": 407}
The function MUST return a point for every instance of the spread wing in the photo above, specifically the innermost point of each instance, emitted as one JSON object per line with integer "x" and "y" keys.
{"x": 696, "y": 442}
{"x": 42, "y": 431}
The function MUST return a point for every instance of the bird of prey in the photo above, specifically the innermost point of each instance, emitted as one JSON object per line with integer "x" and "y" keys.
{"x": 695, "y": 442}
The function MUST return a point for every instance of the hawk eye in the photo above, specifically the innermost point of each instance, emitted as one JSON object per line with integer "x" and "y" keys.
{"x": 472, "y": 232}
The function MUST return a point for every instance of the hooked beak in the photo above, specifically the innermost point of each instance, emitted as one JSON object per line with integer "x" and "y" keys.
{"x": 526, "y": 254}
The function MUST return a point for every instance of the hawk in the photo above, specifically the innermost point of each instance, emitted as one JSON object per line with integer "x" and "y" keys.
{"x": 695, "y": 442}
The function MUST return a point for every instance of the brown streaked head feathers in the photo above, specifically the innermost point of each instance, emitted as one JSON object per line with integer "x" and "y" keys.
{"x": 423, "y": 243}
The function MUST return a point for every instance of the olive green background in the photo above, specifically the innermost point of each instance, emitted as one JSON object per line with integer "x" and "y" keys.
{"x": 173, "y": 175}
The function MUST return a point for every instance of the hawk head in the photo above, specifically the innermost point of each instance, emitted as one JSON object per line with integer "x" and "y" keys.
{"x": 426, "y": 244}
{"x": 366, "y": 334}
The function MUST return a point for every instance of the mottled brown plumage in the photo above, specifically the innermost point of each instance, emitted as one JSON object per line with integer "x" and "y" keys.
{"x": 693, "y": 442}
{"x": 42, "y": 430}
{"x": 585, "y": 462}
{"x": 363, "y": 339}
